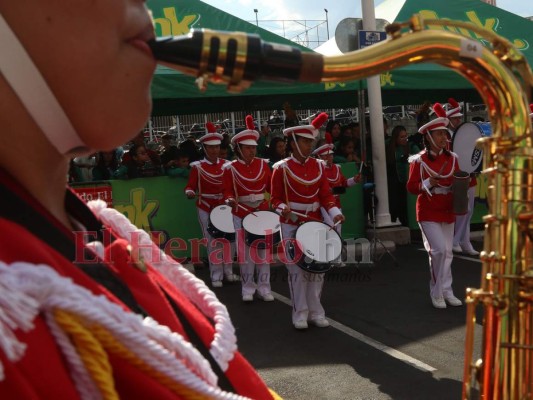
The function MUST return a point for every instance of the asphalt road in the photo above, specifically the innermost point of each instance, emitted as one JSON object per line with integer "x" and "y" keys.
{"x": 386, "y": 340}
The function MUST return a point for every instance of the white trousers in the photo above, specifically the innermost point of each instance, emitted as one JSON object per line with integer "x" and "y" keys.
{"x": 461, "y": 236}
{"x": 248, "y": 262}
{"x": 438, "y": 241}
{"x": 218, "y": 265}
{"x": 305, "y": 287}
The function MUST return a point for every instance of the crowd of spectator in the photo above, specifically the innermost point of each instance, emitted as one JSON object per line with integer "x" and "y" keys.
{"x": 143, "y": 158}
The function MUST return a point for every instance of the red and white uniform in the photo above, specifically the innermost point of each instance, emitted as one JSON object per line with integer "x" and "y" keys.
{"x": 206, "y": 180}
{"x": 434, "y": 213}
{"x": 304, "y": 188}
{"x": 32, "y": 236}
{"x": 437, "y": 205}
{"x": 248, "y": 184}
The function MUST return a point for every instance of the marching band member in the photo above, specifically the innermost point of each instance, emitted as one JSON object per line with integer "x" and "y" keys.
{"x": 205, "y": 184}
{"x": 299, "y": 184}
{"x": 430, "y": 177}
{"x": 90, "y": 308}
{"x": 246, "y": 182}
{"x": 337, "y": 181}
{"x": 461, "y": 237}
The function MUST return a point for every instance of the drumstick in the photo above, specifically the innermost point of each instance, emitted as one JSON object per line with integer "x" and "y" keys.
{"x": 310, "y": 218}
{"x": 246, "y": 209}
{"x": 335, "y": 224}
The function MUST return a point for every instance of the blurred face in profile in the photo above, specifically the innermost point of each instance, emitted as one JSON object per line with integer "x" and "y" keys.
{"x": 99, "y": 66}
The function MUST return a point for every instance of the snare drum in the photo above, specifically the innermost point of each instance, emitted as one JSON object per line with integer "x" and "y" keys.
{"x": 464, "y": 144}
{"x": 316, "y": 247}
{"x": 220, "y": 223}
{"x": 262, "y": 229}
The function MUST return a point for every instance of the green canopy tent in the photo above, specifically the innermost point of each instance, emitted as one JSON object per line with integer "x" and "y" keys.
{"x": 175, "y": 93}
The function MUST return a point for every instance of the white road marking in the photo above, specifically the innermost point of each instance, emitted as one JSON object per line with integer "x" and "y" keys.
{"x": 369, "y": 341}
{"x": 456, "y": 255}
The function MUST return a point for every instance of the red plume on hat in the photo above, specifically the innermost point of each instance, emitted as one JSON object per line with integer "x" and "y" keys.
{"x": 210, "y": 127}
{"x": 250, "y": 122}
{"x": 453, "y": 103}
{"x": 531, "y": 108}
{"x": 319, "y": 120}
{"x": 439, "y": 110}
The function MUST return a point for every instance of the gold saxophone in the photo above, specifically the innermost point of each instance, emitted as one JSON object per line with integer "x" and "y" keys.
{"x": 504, "y": 81}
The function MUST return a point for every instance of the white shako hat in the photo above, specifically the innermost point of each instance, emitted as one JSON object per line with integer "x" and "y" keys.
{"x": 308, "y": 131}
{"x": 441, "y": 122}
{"x": 249, "y": 136}
{"x": 211, "y": 138}
{"x": 455, "y": 109}
{"x": 324, "y": 150}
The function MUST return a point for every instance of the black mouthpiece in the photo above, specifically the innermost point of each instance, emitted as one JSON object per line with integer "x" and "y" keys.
{"x": 236, "y": 58}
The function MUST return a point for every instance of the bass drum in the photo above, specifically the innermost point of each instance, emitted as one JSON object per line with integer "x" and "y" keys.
{"x": 262, "y": 229}
{"x": 220, "y": 223}
{"x": 464, "y": 145}
{"x": 316, "y": 248}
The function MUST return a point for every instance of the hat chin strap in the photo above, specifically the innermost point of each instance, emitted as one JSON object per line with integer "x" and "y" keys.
{"x": 29, "y": 85}
{"x": 298, "y": 147}
{"x": 431, "y": 139}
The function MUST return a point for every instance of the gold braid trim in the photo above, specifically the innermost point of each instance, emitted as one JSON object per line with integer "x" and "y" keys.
{"x": 91, "y": 353}
{"x": 92, "y": 345}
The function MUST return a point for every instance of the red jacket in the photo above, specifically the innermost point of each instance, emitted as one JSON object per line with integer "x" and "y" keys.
{"x": 247, "y": 183}
{"x": 438, "y": 206}
{"x": 205, "y": 180}
{"x": 26, "y": 231}
{"x": 304, "y": 186}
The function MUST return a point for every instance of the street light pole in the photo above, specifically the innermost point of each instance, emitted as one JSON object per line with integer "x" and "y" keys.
{"x": 327, "y": 23}
{"x": 256, "y": 20}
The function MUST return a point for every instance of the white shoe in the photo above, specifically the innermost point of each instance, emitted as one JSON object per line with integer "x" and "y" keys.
{"x": 320, "y": 322}
{"x": 217, "y": 284}
{"x": 470, "y": 250}
{"x": 232, "y": 278}
{"x": 453, "y": 301}
{"x": 457, "y": 249}
{"x": 300, "y": 324}
{"x": 438, "y": 302}
{"x": 266, "y": 297}
{"x": 341, "y": 265}
{"x": 247, "y": 297}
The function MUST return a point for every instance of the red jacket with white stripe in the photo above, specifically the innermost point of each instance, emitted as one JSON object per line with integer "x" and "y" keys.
{"x": 304, "y": 186}
{"x": 433, "y": 204}
{"x": 247, "y": 184}
{"x": 205, "y": 180}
